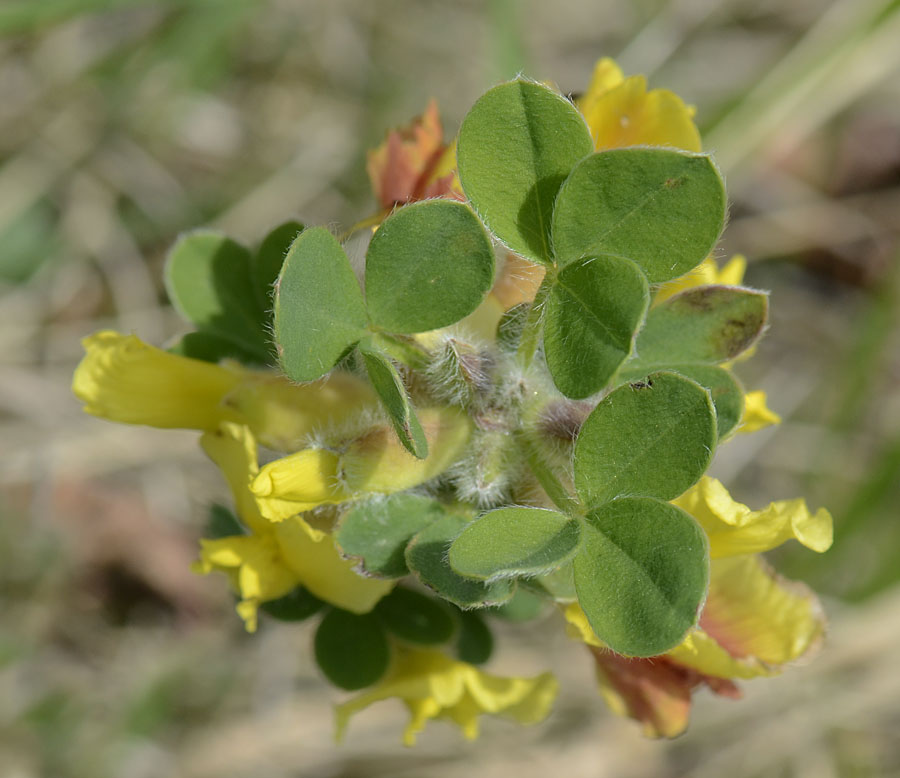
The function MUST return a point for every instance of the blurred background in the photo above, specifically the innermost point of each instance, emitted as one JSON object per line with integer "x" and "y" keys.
{"x": 123, "y": 122}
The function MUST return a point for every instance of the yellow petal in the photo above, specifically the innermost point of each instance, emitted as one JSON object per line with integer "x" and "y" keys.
{"x": 377, "y": 462}
{"x": 707, "y": 272}
{"x": 123, "y": 379}
{"x": 255, "y": 568}
{"x": 629, "y": 115}
{"x": 701, "y": 652}
{"x": 432, "y": 685}
{"x": 732, "y": 274}
{"x": 757, "y": 415}
{"x": 607, "y": 75}
{"x": 308, "y": 477}
{"x": 233, "y": 448}
{"x": 734, "y": 529}
{"x": 283, "y": 415}
{"x": 321, "y": 569}
{"x": 578, "y": 627}
{"x": 751, "y": 612}
{"x": 527, "y": 700}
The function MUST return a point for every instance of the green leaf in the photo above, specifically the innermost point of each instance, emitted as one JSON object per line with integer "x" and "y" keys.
{"x": 475, "y": 643}
{"x": 641, "y": 574}
{"x": 662, "y": 208}
{"x": 269, "y": 258}
{"x": 416, "y": 618}
{"x": 319, "y": 308}
{"x": 726, "y": 393}
{"x": 389, "y": 386}
{"x": 378, "y": 531}
{"x": 524, "y": 606}
{"x": 208, "y": 278}
{"x": 351, "y": 650}
{"x": 724, "y": 389}
{"x": 209, "y": 347}
{"x": 592, "y": 313}
{"x": 426, "y": 556}
{"x": 297, "y": 605}
{"x": 560, "y": 584}
{"x": 429, "y": 265}
{"x": 512, "y": 542}
{"x": 705, "y": 324}
{"x": 516, "y": 147}
{"x": 222, "y": 523}
{"x": 653, "y": 438}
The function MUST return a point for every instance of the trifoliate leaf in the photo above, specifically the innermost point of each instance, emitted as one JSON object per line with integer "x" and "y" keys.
{"x": 209, "y": 347}
{"x": 297, "y": 605}
{"x": 319, "y": 308}
{"x": 378, "y": 531}
{"x": 653, "y": 438}
{"x": 706, "y": 324}
{"x": 475, "y": 643}
{"x": 560, "y": 584}
{"x": 351, "y": 649}
{"x": 269, "y": 258}
{"x": 222, "y": 523}
{"x": 662, "y": 208}
{"x": 593, "y": 311}
{"x": 209, "y": 281}
{"x": 426, "y": 556}
{"x": 389, "y": 386}
{"x": 415, "y": 617}
{"x": 524, "y": 606}
{"x": 516, "y": 147}
{"x": 641, "y": 574}
{"x": 429, "y": 265}
{"x": 512, "y": 542}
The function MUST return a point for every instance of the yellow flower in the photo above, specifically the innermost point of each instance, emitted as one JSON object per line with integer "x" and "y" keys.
{"x": 432, "y": 685}
{"x": 370, "y": 461}
{"x": 255, "y": 568}
{"x": 123, "y": 379}
{"x": 274, "y": 559}
{"x": 707, "y": 272}
{"x": 753, "y": 623}
{"x": 757, "y": 415}
{"x": 733, "y": 528}
{"x": 621, "y": 112}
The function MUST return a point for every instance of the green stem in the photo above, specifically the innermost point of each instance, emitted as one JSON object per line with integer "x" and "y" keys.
{"x": 405, "y": 350}
{"x": 545, "y": 475}
{"x": 531, "y": 332}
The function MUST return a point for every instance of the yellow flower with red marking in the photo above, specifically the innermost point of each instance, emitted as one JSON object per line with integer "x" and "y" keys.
{"x": 753, "y": 622}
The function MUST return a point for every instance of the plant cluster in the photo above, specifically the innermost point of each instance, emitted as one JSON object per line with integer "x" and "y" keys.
{"x": 515, "y": 410}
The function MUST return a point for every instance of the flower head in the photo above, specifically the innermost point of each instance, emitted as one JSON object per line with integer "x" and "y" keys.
{"x": 753, "y": 622}
{"x": 273, "y": 559}
{"x": 123, "y": 379}
{"x": 622, "y": 112}
{"x": 432, "y": 685}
